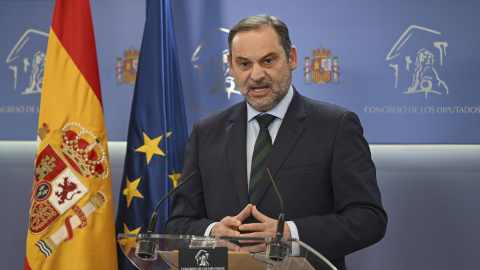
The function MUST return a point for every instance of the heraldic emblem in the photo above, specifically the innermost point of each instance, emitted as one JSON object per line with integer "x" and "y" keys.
{"x": 321, "y": 69}
{"x": 60, "y": 184}
{"x": 129, "y": 66}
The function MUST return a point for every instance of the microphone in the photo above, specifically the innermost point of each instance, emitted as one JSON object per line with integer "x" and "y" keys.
{"x": 147, "y": 247}
{"x": 277, "y": 250}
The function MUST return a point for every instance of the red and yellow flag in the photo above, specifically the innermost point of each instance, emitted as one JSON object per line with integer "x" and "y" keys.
{"x": 71, "y": 222}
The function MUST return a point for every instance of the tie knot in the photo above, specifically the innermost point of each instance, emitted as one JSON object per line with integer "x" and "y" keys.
{"x": 264, "y": 120}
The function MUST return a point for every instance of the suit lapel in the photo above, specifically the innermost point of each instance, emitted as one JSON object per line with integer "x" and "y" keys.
{"x": 287, "y": 136}
{"x": 236, "y": 134}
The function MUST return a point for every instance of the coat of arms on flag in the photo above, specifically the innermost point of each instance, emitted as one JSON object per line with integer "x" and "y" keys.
{"x": 58, "y": 185}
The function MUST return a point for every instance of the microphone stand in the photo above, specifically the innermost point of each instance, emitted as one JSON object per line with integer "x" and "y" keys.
{"x": 277, "y": 250}
{"x": 146, "y": 246}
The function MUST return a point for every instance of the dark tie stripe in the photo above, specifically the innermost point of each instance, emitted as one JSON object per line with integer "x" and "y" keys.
{"x": 261, "y": 150}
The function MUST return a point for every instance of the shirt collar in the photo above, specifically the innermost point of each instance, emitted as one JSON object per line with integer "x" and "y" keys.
{"x": 278, "y": 111}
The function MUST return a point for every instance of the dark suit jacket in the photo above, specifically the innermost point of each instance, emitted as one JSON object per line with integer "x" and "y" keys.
{"x": 320, "y": 163}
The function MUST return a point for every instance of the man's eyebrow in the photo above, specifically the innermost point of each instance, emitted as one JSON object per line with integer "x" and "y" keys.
{"x": 241, "y": 58}
{"x": 268, "y": 55}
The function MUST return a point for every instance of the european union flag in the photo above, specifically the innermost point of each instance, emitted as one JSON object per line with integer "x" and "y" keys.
{"x": 157, "y": 133}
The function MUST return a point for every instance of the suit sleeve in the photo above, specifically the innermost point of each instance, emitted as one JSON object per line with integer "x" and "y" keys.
{"x": 188, "y": 206}
{"x": 358, "y": 220}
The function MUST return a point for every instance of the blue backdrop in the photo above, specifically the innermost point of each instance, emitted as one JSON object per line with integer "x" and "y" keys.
{"x": 407, "y": 68}
{"x": 427, "y": 190}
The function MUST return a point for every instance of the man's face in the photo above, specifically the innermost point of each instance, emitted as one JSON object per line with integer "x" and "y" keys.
{"x": 260, "y": 67}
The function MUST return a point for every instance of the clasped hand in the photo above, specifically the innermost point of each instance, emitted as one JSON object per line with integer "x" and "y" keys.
{"x": 233, "y": 226}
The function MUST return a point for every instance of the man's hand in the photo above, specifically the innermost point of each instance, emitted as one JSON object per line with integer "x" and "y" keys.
{"x": 266, "y": 228}
{"x": 228, "y": 226}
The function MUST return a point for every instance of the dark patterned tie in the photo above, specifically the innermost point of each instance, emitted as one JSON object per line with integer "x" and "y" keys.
{"x": 262, "y": 147}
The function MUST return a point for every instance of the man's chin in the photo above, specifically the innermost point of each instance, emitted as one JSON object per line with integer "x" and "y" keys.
{"x": 261, "y": 107}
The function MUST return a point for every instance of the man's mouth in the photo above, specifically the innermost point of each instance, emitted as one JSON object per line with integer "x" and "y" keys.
{"x": 259, "y": 89}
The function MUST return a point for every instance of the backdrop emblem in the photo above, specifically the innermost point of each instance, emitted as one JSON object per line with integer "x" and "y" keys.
{"x": 322, "y": 68}
{"x": 128, "y": 68}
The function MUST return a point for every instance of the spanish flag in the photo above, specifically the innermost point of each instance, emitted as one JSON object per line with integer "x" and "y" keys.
{"x": 71, "y": 223}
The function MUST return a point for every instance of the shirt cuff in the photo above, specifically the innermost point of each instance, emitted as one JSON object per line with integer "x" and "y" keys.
{"x": 294, "y": 234}
{"x": 209, "y": 229}
{"x": 293, "y": 229}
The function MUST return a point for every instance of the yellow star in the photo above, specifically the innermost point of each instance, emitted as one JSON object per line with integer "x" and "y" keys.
{"x": 131, "y": 191}
{"x": 174, "y": 177}
{"x": 150, "y": 147}
{"x": 129, "y": 243}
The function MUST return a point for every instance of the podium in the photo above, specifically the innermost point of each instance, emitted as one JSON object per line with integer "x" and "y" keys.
{"x": 252, "y": 253}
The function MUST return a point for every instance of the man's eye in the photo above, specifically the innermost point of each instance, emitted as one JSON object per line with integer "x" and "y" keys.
{"x": 268, "y": 61}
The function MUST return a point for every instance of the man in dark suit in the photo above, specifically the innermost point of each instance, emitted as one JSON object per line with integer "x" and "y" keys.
{"x": 319, "y": 159}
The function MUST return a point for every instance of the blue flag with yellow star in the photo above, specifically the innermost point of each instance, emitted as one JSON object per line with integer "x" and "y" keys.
{"x": 157, "y": 133}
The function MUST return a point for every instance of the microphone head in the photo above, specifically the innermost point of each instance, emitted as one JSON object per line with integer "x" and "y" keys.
{"x": 146, "y": 248}
{"x": 277, "y": 251}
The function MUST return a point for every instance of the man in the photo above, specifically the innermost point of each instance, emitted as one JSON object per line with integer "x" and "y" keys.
{"x": 319, "y": 160}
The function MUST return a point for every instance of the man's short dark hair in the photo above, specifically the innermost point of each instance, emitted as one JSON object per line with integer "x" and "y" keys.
{"x": 256, "y": 22}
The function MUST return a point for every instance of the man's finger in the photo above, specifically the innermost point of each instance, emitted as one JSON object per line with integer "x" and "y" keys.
{"x": 246, "y": 212}
{"x": 231, "y": 222}
{"x": 252, "y": 227}
{"x": 259, "y": 234}
{"x": 258, "y": 215}
{"x": 221, "y": 230}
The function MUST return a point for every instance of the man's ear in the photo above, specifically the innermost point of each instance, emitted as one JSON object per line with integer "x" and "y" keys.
{"x": 293, "y": 58}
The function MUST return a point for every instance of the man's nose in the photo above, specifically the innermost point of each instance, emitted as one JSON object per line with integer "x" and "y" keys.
{"x": 258, "y": 73}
